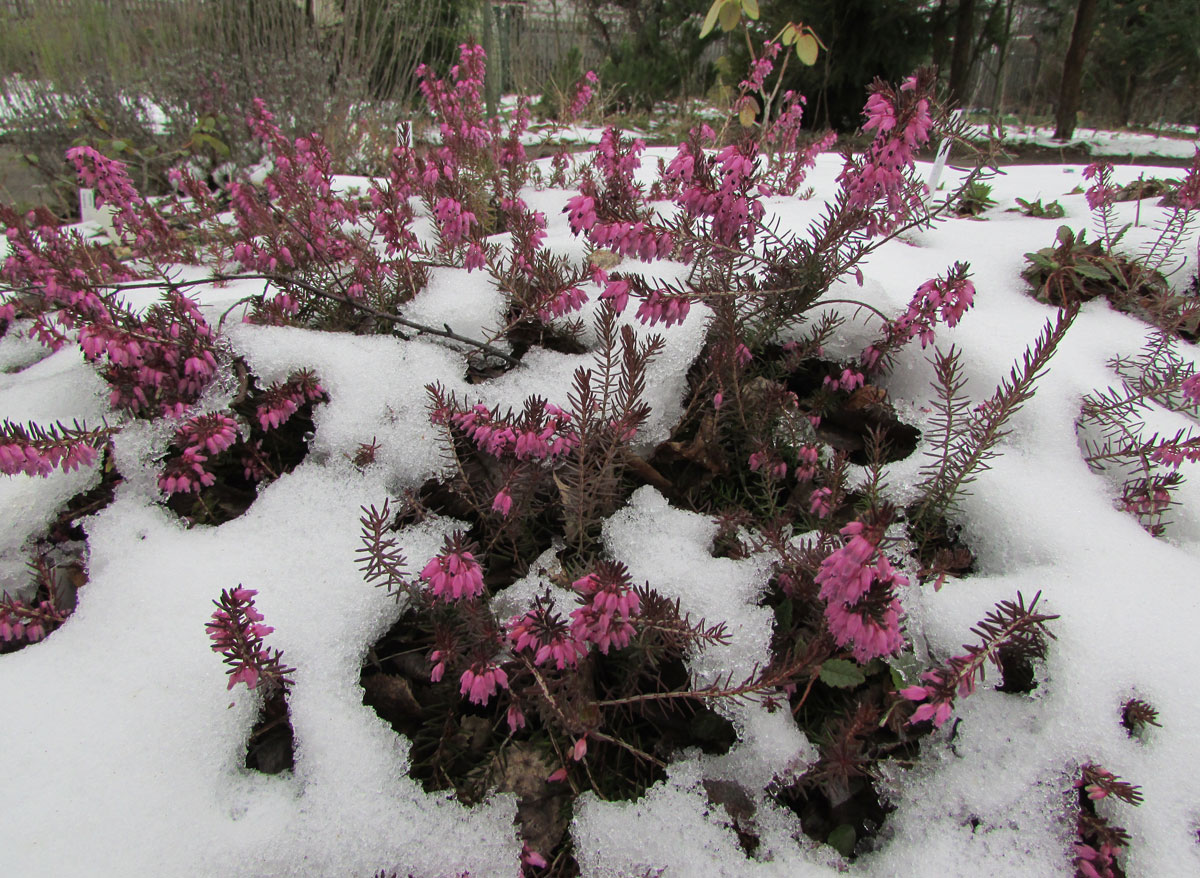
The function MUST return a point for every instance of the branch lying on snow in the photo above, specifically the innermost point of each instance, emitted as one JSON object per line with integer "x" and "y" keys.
{"x": 174, "y": 286}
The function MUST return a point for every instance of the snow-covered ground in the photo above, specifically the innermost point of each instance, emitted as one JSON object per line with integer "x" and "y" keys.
{"x": 1172, "y": 143}
{"x": 122, "y": 748}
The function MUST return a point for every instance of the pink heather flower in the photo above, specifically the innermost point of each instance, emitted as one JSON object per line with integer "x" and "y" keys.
{"x": 633, "y": 239}
{"x": 453, "y": 221}
{"x": 237, "y": 632}
{"x": 938, "y": 712}
{"x": 768, "y": 463}
{"x": 545, "y": 632}
{"x": 503, "y": 502}
{"x": 29, "y": 622}
{"x": 947, "y": 297}
{"x": 657, "y": 308}
{"x": 557, "y": 776}
{"x": 481, "y": 681}
{"x": 532, "y": 858}
{"x": 211, "y": 433}
{"x": 270, "y": 416}
{"x": 1093, "y": 863}
{"x": 1145, "y": 502}
{"x": 859, "y": 608}
{"x": 871, "y": 637}
{"x": 282, "y": 400}
{"x": 583, "y": 94}
{"x": 515, "y": 718}
{"x": 807, "y": 458}
{"x": 901, "y": 121}
{"x": 475, "y": 258}
{"x": 570, "y": 299}
{"x": 609, "y": 603}
{"x": 849, "y": 380}
{"x": 581, "y": 213}
{"x": 1187, "y": 196}
{"x": 186, "y": 473}
{"x": 819, "y": 503}
{"x": 617, "y": 292}
{"x": 439, "y": 666}
{"x": 1102, "y": 193}
{"x": 844, "y": 574}
{"x": 761, "y": 67}
{"x": 1173, "y": 454}
{"x": 1191, "y": 388}
{"x": 580, "y": 749}
{"x": 454, "y": 574}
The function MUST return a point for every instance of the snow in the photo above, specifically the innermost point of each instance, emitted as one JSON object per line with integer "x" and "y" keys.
{"x": 123, "y": 747}
{"x": 1098, "y": 142}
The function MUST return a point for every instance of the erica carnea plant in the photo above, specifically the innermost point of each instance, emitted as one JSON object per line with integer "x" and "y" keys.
{"x": 29, "y": 620}
{"x": 1139, "y": 282}
{"x": 966, "y": 437}
{"x": 585, "y": 684}
{"x": 1144, "y": 466}
{"x": 1011, "y": 637}
{"x": 1099, "y": 842}
{"x": 546, "y": 467}
{"x": 237, "y": 632}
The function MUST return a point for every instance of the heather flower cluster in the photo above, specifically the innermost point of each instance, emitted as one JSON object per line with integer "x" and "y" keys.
{"x": 610, "y": 602}
{"x": 283, "y": 399}
{"x": 472, "y": 143}
{"x": 584, "y": 89}
{"x": 481, "y": 681}
{"x": 454, "y": 574}
{"x": 721, "y": 191}
{"x": 947, "y": 298}
{"x": 35, "y": 451}
{"x": 147, "y": 230}
{"x": 296, "y": 225}
{"x": 879, "y": 185}
{"x": 788, "y": 159}
{"x": 28, "y": 622}
{"x": 1099, "y": 843}
{"x": 547, "y": 635}
{"x": 202, "y": 438}
{"x": 1174, "y": 452}
{"x": 858, "y": 585}
{"x": 1187, "y": 195}
{"x": 237, "y": 632}
{"x": 542, "y": 431}
{"x": 1011, "y": 626}
{"x": 1102, "y": 193}
{"x": 52, "y": 269}
{"x": 156, "y": 362}
{"x": 609, "y": 606}
{"x": 199, "y": 437}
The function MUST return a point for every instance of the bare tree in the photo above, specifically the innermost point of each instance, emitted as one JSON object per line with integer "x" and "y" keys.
{"x": 960, "y": 55}
{"x": 1072, "y": 78}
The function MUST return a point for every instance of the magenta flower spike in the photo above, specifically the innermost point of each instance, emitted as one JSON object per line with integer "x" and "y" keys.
{"x": 454, "y": 574}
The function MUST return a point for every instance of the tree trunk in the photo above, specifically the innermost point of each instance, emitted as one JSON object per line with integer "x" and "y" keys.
{"x": 1072, "y": 78}
{"x": 938, "y": 25}
{"x": 493, "y": 72}
{"x": 1129, "y": 90}
{"x": 1002, "y": 62}
{"x": 960, "y": 57}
